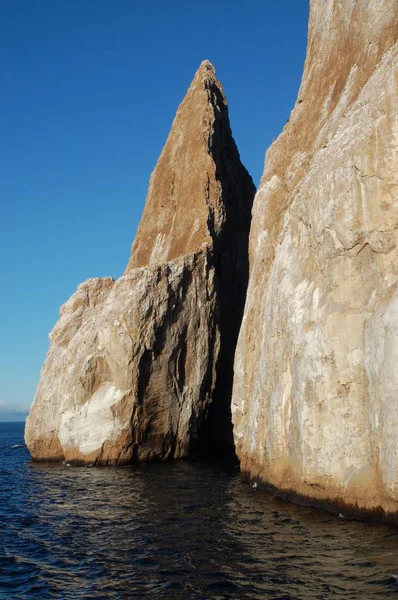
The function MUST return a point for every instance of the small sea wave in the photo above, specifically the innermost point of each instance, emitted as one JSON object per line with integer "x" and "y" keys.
{"x": 175, "y": 530}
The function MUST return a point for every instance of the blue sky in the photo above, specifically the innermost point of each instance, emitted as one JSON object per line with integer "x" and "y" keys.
{"x": 89, "y": 91}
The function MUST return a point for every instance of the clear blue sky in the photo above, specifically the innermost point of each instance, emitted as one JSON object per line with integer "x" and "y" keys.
{"x": 89, "y": 91}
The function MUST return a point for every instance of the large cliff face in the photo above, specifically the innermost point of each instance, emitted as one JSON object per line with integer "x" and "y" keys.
{"x": 315, "y": 401}
{"x": 141, "y": 368}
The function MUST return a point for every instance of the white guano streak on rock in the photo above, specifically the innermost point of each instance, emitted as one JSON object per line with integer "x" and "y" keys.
{"x": 89, "y": 426}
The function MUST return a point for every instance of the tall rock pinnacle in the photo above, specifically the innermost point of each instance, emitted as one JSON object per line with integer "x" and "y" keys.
{"x": 141, "y": 368}
{"x": 187, "y": 205}
{"x": 315, "y": 402}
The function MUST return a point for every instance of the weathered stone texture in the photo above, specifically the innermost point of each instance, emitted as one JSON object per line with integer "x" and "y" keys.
{"x": 126, "y": 381}
{"x": 141, "y": 368}
{"x": 315, "y": 401}
{"x": 199, "y": 186}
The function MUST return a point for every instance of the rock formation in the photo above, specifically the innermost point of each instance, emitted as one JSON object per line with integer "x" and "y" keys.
{"x": 315, "y": 401}
{"x": 141, "y": 368}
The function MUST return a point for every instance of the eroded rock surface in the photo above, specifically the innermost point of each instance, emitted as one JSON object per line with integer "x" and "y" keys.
{"x": 141, "y": 368}
{"x": 315, "y": 402}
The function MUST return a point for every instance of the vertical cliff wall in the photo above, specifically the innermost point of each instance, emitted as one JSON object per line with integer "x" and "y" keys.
{"x": 315, "y": 401}
{"x": 141, "y": 368}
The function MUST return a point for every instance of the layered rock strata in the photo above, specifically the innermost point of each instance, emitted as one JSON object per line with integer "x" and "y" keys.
{"x": 141, "y": 368}
{"x": 315, "y": 401}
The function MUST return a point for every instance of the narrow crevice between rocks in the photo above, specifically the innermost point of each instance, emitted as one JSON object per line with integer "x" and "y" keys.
{"x": 231, "y": 262}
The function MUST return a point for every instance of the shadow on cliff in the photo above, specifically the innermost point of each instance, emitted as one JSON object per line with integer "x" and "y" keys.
{"x": 231, "y": 262}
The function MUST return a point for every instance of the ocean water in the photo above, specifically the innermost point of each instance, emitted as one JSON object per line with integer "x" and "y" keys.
{"x": 176, "y": 530}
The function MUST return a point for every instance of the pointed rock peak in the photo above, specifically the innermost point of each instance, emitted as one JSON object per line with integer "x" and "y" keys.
{"x": 206, "y": 64}
{"x": 206, "y": 79}
{"x": 206, "y": 68}
{"x": 198, "y": 172}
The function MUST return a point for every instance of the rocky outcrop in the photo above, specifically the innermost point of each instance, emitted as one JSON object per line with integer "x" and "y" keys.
{"x": 315, "y": 401}
{"x": 141, "y": 368}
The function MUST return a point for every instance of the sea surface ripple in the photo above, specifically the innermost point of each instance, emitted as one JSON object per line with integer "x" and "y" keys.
{"x": 176, "y": 530}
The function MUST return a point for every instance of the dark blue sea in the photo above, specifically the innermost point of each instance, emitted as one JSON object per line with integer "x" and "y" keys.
{"x": 177, "y": 530}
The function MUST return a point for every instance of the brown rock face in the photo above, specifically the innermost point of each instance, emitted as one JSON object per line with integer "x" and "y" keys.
{"x": 189, "y": 193}
{"x": 315, "y": 400}
{"x": 141, "y": 368}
